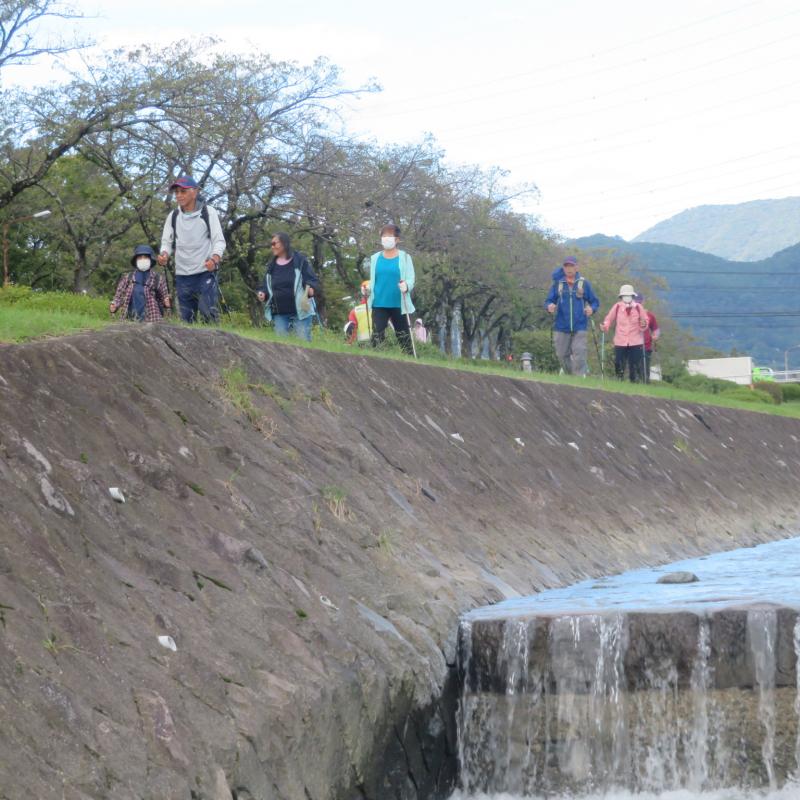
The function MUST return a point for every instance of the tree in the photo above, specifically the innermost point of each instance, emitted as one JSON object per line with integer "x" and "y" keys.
{"x": 20, "y": 35}
{"x": 94, "y": 214}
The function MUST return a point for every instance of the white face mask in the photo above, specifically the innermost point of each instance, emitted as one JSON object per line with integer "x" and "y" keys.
{"x": 388, "y": 242}
{"x": 627, "y": 299}
{"x": 143, "y": 264}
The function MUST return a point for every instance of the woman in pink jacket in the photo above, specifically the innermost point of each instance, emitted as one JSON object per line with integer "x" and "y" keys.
{"x": 629, "y": 319}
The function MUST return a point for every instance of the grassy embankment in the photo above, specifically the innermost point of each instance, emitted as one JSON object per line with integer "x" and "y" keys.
{"x": 26, "y": 315}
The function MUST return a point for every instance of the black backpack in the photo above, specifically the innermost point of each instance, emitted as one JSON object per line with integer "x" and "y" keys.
{"x": 203, "y": 216}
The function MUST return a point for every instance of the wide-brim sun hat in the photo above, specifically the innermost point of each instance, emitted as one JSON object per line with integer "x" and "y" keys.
{"x": 142, "y": 250}
{"x": 626, "y": 288}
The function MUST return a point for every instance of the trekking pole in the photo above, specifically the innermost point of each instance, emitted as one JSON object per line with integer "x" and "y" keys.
{"x": 223, "y": 301}
{"x": 597, "y": 349}
{"x": 602, "y": 353}
{"x": 408, "y": 321}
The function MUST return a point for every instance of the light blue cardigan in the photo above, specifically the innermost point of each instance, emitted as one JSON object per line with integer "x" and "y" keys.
{"x": 406, "y": 274}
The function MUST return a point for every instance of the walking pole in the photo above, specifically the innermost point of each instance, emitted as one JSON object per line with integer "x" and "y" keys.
{"x": 602, "y": 353}
{"x": 223, "y": 301}
{"x": 408, "y": 320}
{"x": 597, "y": 350}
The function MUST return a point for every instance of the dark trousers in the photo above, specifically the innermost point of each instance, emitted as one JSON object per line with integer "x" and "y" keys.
{"x": 198, "y": 293}
{"x": 632, "y": 358}
{"x": 380, "y": 319}
{"x": 648, "y": 355}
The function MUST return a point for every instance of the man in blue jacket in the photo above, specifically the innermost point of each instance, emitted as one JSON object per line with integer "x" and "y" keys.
{"x": 573, "y": 301}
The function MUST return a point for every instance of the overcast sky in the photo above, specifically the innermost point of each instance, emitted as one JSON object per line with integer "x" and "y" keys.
{"x": 622, "y": 113}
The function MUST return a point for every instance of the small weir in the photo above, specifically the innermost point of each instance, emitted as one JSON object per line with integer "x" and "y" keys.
{"x": 630, "y": 686}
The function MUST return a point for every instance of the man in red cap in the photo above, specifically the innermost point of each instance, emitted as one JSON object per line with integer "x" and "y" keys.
{"x": 194, "y": 233}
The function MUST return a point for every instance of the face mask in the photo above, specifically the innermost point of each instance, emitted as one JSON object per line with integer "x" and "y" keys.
{"x": 143, "y": 264}
{"x": 627, "y": 299}
{"x": 388, "y": 242}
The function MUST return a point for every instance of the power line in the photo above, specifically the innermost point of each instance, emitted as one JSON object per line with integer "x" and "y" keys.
{"x": 669, "y": 207}
{"x": 704, "y": 272}
{"x": 728, "y": 314}
{"x": 603, "y": 194}
{"x": 689, "y": 287}
{"x": 585, "y": 73}
{"x": 544, "y": 110}
{"x": 657, "y": 123}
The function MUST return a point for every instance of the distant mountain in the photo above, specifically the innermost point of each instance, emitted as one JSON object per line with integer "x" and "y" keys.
{"x": 750, "y": 306}
{"x": 744, "y": 232}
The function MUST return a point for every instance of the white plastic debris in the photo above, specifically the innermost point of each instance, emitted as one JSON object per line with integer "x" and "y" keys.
{"x": 326, "y": 602}
{"x": 116, "y": 494}
{"x": 610, "y": 446}
{"x": 574, "y": 445}
{"x": 457, "y": 436}
{"x": 643, "y": 446}
{"x": 519, "y": 441}
{"x": 168, "y": 642}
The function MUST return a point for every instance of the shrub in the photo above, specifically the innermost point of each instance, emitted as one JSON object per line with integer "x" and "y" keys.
{"x": 63, "y": 302}
{"x": 702, "y": 383}
{"x": 11, "y": 295}
{"x": 772, "y": 389}
{"x": 745, "y": 395}
{"x": 790, "y": 392}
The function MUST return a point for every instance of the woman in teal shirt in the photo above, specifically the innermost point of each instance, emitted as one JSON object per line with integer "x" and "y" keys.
{"x": 391, "y": 279}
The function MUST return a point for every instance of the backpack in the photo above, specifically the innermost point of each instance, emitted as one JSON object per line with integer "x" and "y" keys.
{"x": 578, "y": 288}
{"x": 203, "y": 216}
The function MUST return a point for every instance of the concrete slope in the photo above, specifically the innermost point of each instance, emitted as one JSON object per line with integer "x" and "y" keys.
{"x": 308, "y": 542}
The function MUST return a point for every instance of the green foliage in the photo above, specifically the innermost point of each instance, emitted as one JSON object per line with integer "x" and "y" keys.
{"x": 539, "y": 344}
{"x": 745, "y": 395}
{"x": 20, "y": 324}
{"x": 773, "y": 389}
{"x": 702, "y": 383}
{"x": 790, "y": 392}
{"x": 23, "y": 297}
{"x": 236, "y": 388}
{"x": 335, "y": 497}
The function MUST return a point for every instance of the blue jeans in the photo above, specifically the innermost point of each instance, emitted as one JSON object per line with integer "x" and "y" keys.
{"x": 198, "y": 292}
{"x": 300, "y": 327}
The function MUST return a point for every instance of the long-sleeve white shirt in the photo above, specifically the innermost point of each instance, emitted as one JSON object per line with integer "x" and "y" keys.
{"x": 194, "y": 246}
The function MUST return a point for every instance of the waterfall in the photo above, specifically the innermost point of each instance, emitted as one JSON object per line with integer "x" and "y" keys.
{"x": 586, "y": 704}
{"x": 761, "y": 630}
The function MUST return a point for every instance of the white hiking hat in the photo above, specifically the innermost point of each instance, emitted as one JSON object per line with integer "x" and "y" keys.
{"x": 626, "y": 289}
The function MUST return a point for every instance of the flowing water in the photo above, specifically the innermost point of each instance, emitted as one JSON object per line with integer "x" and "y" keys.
{"x": 625, "y": 688}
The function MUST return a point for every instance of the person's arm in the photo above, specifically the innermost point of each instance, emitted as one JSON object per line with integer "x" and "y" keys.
{"x": 610, "y": 316}
{"x": 655, "y": 331}
{"x": 162, "y": 294}
{"x": 119, "y": 294}
{"x": 216, "y": 234}
{"x": 167, "y": 241}
{"x": 552, "y": 298}
{"x": 407, "y": 276}
{"x": 308, "y": 277}
{"x": 371, "y": 293}
{"x": 591, "y": 297}
{"x": 262, "y": 293}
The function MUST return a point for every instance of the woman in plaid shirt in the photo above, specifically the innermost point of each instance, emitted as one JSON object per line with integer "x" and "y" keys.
{"x": 141, "y": 293}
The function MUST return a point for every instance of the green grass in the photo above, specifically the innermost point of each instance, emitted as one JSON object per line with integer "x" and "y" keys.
{"x": 21, "y": 325}
{"x": 332, "y": 343}
{"x": 26, "y": 315}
